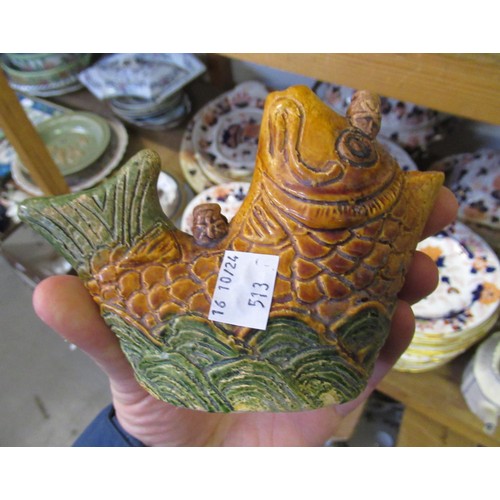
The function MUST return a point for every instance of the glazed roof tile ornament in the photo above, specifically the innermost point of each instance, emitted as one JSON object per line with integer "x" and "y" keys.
{"x": 325, "y": 197}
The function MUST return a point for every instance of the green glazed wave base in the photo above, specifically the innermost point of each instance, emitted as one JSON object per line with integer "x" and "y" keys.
{"x": 284, "y": 368}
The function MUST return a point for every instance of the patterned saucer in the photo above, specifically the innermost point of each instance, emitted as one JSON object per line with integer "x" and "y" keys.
{"x": 469, "y": 277}
{"x": 222, "y": 137}
{"x": 229, "y": 196}
{"x": 465, "y": 305}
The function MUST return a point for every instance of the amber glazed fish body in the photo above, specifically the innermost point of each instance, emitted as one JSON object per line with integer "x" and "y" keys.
{"x": 326, "y": 198}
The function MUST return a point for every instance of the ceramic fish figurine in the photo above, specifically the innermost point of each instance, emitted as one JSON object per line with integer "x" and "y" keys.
{"x": 325, "y": 197}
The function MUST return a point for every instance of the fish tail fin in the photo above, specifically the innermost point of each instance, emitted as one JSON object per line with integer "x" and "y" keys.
{"x": 117, "y": 211}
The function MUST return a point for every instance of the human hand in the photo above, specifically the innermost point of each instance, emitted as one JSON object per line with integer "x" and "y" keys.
{"x": 64, "y": 304}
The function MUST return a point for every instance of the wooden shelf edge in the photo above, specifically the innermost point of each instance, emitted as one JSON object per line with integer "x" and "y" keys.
{"x": 465, "y": 85}
{"x": 436, "y": 394}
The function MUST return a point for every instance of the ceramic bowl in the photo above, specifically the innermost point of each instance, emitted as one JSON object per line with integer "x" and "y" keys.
{"x": 40, "y": 62}
{"x": 47, "y": 76}
{"x": 154, "y": 117}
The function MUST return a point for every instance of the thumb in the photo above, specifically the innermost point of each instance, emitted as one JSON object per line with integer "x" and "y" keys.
{"x": 64, "y": 304}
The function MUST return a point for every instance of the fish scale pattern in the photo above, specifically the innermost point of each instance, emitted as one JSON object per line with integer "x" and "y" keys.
{"x": 321, "y": 276}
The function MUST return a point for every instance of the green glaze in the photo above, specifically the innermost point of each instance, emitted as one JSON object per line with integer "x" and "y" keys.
{"x": 285, "y": 366}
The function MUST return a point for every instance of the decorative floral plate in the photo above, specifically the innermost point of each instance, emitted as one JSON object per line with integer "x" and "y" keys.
{"x": 419, "y": 358}
{"x": 226, "y": 132}
{"x": 222, "y": 137}
{"x": 469, "y": 289}
{"x": 191, "y": 169}
{"x": 465, "y": 305}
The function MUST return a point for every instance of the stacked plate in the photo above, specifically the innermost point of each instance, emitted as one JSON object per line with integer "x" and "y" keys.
{"x": 220, "y": 142}
{"x": 465, "y": 305}
{"x": 475, "y": 180}
{"x": 85, "y": 146}
{"x": 145, "y": 90}
{"x": 412, "y": 127}
{"x": 229, "y": 196}
{"x": 44, "y": 75}
{"x": 147, "y": 113}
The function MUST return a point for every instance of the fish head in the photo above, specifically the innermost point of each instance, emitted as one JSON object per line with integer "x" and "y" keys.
{"x": 327, "y": 170}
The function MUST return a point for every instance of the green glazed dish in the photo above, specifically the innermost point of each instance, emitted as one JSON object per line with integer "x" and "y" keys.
{"x": 74, "y": 140}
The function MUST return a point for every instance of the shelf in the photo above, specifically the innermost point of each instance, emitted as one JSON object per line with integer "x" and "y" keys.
{"x": 436, "y": 399}
{"x": 466, "y": 85}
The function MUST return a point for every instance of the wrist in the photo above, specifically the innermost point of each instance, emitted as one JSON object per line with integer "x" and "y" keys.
{"x": 106, "y": 431}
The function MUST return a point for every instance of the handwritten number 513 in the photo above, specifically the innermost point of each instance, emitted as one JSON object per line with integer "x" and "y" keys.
{"x": 261, "y": 287}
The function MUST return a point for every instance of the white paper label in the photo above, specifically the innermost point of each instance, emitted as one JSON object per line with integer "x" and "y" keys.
{"x": 244, "y": 289}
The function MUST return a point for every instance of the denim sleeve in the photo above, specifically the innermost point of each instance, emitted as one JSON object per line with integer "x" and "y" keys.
{"x": 106, "y": 431}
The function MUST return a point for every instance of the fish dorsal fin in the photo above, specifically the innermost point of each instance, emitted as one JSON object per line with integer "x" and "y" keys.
{"x": 116, "y": 212}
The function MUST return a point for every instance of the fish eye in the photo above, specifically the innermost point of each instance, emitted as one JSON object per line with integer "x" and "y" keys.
{"x": 356, "y": 148}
